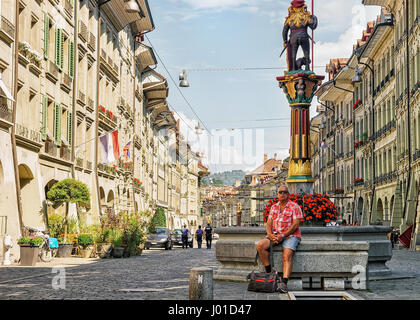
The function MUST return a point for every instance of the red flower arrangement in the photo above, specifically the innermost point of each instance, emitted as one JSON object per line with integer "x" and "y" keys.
{"x": 339, "y": 191}
{"x": 136, "y": 181}
{"x": 102, "y": 109}
{"x": 315, "y": 208}
{"x": 358, "y": 180}
{"x": 357, "y": 144}
{"x": 357, "y": 104}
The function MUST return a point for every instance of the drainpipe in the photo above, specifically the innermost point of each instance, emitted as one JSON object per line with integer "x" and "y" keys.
{"x": 13, "y": 136}
{"x": 408, "y": 107}
{"x": 134, "y": 124}
{"x": 98, "y": 57}
{"x": 73, "y": 172}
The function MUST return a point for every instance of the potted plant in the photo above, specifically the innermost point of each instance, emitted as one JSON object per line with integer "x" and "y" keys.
{"x": 117, "y": 240}
{"x": 104, "y": 243}
{"x": 29, "y": 250}
{"x": 68, "y": 191}
{"x": 86, "y": 242}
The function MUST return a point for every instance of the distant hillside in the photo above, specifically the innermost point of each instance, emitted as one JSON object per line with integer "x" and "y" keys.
{"x": 227, "y": 178}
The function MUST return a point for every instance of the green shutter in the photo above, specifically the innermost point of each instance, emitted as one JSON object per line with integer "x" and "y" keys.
{"x": 46, "y": 34}
{"x": 57, "y": 46}
{"x": 71, "y": 59}
{"x": 61, "y": 49}
{"x": 44, "y": 117}
{"x": 70, "y": 127}
{"x": 57, "y": 124}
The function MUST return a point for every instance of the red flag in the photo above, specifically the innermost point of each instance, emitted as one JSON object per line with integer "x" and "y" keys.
{"x": 115, "y": 144}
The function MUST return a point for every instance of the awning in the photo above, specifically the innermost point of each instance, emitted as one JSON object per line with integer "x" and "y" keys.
{"x": 145, "y": 57}
{"x": 145, "y": 24}
{"x": 5, "y": 91}
{"x": 116, "y": 12}
{"x": 155, "y": 87}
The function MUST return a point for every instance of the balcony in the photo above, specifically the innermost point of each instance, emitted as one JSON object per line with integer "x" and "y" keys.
{"x": 90, "y": 106}
{"x": 83, "y": 32}
{"x": 5, "y": 112}
{"x": 65, "y": 152}
{"x": 66, "y": 82}
{"x": 81, "y": 98}
{"x": 79, "y": 162}
{"x": 52, "y": 71}
{"x": 91, "y": 42}
{"x": 107, "y": 170}
{"x": 50, "y": 148}
{"x": 88, "y": 165}
{"x": 28, "y": 137}
{"x": 68, "y": 8}
{"x": 126, "y": 167}
{"x": 7, "y": 30}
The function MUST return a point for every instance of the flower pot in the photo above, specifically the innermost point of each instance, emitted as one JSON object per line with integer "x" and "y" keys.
{"x": 117, "y": 252}
{"x": 86, "y": 253}
{"x": 64, "y": 250}
{"x": 28, "y": 255}
{"x": 104, "y": 249}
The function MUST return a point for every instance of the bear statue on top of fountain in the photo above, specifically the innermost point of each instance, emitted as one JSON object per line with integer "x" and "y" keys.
{"x": 297, "y": 22}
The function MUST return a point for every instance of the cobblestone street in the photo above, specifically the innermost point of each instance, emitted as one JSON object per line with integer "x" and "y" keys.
{"x": 160, "y": 274}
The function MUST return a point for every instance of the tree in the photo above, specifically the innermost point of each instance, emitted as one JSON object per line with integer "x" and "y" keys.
{"x": 69, "y": 191}
{"x": 158, "y": 220}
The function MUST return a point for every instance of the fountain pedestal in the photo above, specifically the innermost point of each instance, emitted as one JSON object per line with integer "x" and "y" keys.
{"x": 299, "y": 87}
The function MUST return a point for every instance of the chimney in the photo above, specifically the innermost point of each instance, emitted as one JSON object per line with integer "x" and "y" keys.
{"x": 265, "y": 157}
{"x": 275, "y": 156}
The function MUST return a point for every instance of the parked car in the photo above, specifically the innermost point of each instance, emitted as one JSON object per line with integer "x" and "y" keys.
{"x": 161, "y": 238}
{"x": 177, "y": 238}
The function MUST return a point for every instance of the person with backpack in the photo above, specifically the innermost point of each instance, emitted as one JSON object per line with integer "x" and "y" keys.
{"x": 199, "y": 236}
{"x": 185, "y": 232}
{"x": 209, "y": 235}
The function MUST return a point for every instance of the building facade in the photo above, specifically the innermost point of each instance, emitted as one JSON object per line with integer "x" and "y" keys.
{"x": 72, "y": 72}
{"x": 376, "y": 94}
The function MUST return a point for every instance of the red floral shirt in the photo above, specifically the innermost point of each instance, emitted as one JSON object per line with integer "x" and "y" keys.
{"x": 282, "y": 221}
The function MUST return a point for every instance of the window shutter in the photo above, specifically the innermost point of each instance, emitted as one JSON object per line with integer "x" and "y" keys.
{"x": 61, "y": 49}
{"x": 70, "y": 127}
{"x": 46, "y": 34}
{"x": 44, "y": 117}
{"x": 71, "y": 58}
{"x": 57, "y": 124}
{"x": 57, "y": 46}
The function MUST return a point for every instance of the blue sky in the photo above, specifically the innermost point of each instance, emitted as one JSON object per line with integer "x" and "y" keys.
{"x": 202, "y": 34}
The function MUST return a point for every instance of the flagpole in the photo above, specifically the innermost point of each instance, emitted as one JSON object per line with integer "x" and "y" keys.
{"x": 312, "y": 39}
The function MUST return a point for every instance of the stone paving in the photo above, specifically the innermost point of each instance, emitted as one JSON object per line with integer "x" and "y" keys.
{"x": 164, "y": 275}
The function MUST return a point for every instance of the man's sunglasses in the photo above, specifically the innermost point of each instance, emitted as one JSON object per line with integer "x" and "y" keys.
{"x": 280, "y": 192}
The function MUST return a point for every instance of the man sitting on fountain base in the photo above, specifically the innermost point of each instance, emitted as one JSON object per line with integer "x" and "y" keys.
{"x": 282, "y": 228}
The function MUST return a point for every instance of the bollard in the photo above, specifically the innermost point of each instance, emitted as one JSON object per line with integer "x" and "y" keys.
{"x": 201, "y": 284}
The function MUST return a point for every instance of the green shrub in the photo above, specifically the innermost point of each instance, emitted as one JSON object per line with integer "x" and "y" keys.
{"x": 158, "y": 220}
{"x": 85, "y": 240}
{"x": 55, "y": 225}
{"x": 33, "y": 241}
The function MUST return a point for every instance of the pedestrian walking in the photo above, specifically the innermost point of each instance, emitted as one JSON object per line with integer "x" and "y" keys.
{"x": 199, "y": 236}
{"x": 209, "y": 235}
{"x": 185, "y": 232}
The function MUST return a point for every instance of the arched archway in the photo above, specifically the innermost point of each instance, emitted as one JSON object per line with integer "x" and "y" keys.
{"x": 31, "y": 202}
{"x": 378, "y": 216}
{"x": 386, "y": 209}
{"x": 359, "y": 211}
{"x": 102, "y": 200}
{"x": 110, "y": 200}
